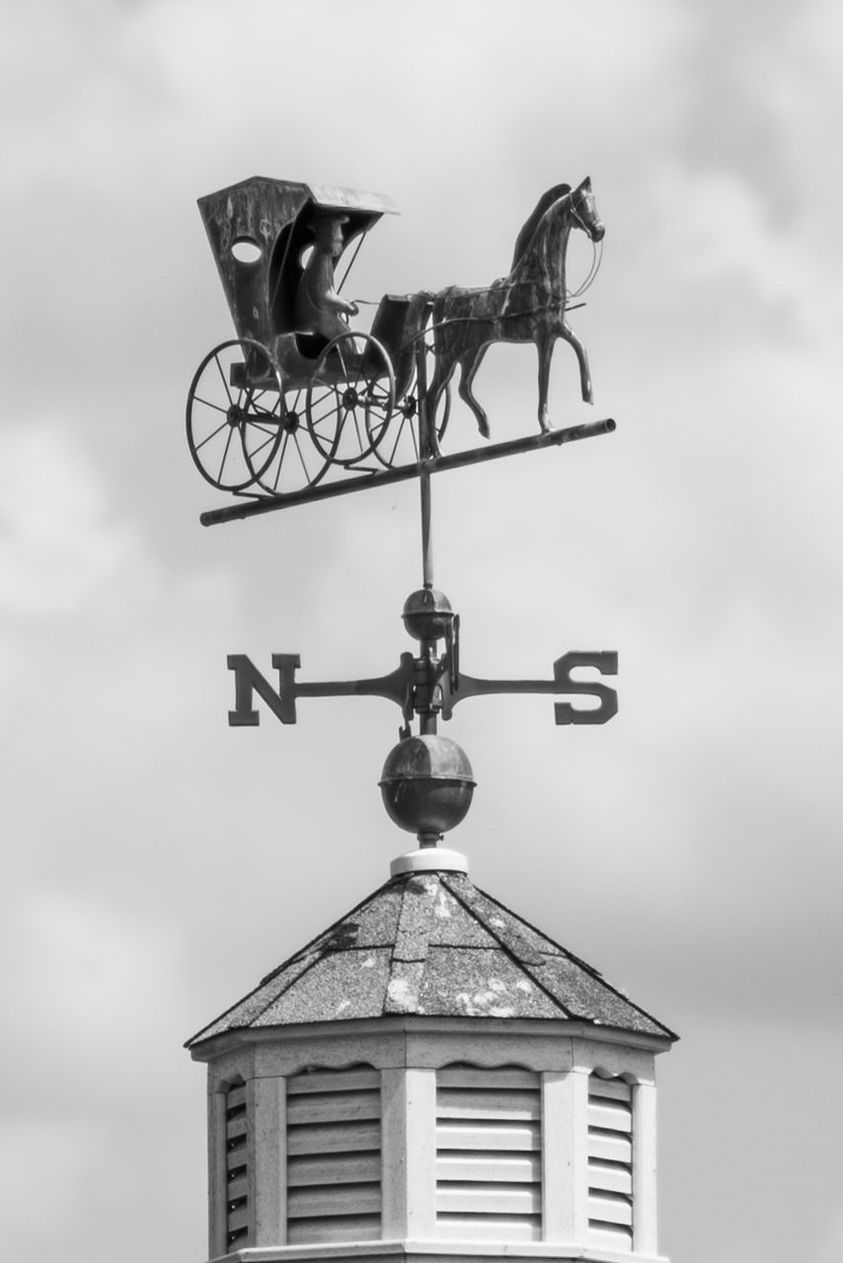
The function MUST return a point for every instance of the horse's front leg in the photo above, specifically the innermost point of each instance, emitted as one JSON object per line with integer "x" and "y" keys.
{"x": 582, "y": 356}
{"x": 544, "y": 346}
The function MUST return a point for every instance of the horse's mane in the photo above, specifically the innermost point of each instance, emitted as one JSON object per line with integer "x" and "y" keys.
{"x": 526, "y": 234}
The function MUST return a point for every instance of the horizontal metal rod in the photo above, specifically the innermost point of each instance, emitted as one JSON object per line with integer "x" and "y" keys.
{"x": 437, "y": 464}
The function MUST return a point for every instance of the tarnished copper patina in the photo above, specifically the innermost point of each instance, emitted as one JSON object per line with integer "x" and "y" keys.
{"x": 528, "y": 305}
{"x": 427, "y": 786}
{"x": 302, "y": 404}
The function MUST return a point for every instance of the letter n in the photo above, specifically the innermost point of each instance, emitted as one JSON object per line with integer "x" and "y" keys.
{"x": 248, "y": 680}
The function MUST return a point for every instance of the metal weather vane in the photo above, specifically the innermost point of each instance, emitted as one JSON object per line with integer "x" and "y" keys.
{"x": 301, "y": 407}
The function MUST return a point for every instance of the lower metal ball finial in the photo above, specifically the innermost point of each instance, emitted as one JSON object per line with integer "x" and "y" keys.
{"x": 427, "y": 786}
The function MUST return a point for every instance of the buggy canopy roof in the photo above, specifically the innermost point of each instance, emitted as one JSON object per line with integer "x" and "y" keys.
{"x": 277, "y": 220}
{"x": 259, "y": 208}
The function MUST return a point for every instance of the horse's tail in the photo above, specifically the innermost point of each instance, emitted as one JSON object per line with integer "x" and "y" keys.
{"x": 412, "y": 332}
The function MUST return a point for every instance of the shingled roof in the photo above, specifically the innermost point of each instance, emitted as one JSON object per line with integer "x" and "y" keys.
{"x": 432, "y": 944}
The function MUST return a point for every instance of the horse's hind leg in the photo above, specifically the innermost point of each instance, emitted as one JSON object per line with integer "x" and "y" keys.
{"x": 442, "y": 374}
{"x": 582, "y": 356}
{"x": 469, "y": 364}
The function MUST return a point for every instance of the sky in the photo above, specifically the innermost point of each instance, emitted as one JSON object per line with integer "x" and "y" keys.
{"x": 158, "y": 863}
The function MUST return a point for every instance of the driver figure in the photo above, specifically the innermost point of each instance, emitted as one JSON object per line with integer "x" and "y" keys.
{"x": 318, "y": 306}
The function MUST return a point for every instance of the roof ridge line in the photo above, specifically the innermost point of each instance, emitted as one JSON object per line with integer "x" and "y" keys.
{"x": 308, "y": 947}
{"x": 291, "y": 960}
{"x": 520, "y": 964}
{"x": 595, "y": 973}
{"x": 397, "y": 964}
{"x": 578, "y": 960}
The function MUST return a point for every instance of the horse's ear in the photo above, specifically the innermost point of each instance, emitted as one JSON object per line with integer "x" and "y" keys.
{"x": 586, "y": 184}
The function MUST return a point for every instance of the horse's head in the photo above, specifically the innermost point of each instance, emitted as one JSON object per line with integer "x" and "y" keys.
{"x": 584, "y": 210}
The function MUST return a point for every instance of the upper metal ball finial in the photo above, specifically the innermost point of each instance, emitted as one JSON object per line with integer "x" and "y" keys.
{"x": 427, "y": 614}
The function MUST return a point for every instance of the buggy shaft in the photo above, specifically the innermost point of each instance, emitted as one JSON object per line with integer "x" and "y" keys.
{"x": 434, "y": 465}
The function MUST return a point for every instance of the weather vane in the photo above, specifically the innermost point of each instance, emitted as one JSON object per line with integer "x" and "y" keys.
{"x": 302, "y": 407}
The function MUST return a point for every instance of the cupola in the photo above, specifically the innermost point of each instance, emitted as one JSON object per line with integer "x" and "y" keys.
{"x": 432, "y": 1076}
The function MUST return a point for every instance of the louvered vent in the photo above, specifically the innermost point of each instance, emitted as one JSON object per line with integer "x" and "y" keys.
{"x": 488, "y": 1154}
{"x": 610, "y": 1163}
{"x": 237, "y": 1218}
{"x": 334, "y": 1156}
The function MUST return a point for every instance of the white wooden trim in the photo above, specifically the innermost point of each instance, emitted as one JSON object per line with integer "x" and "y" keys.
{"x": 270, "y": 1160}
{"x": 408, "y": 1148}
{"x": 388, "y": 1041}
{"x": 217, "y": 1177}
{"x": 644, "y": 1186}
{"x": 427, "y": 1251}
{"x": 564, "y": 1132}
{"x": 614, "y": 1061}
{"x": 237, "y": 1064}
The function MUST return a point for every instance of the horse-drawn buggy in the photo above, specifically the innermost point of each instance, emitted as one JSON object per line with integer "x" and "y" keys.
{"x": 300, "y": 392}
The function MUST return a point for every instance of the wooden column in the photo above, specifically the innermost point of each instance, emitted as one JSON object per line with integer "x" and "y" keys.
{"x": 408, "y": 1154}
{"x": 217, "y": 1182}
{"x": 268, "y": 1160}
{"x": 644, "y": 1196}
{"x": 565, "y": 1156}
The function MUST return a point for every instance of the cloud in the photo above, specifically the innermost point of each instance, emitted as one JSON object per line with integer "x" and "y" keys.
{"x": 157, "y": 863}
{"x": 60, "y": 547}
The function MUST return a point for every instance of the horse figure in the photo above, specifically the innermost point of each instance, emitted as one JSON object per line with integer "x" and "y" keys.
{"x": 526, "y": 306}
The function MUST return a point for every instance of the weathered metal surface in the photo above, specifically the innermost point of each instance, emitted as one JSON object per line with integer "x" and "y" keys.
{"x": 528, "y": 305}
{"x": 420, "y": 686}
{"x": 427, "y": 615}
{"x": 317, "y": 307}
{"x": 427, "y": 785}
{"x": 278, "y": 219}
{"x": 310, "y": 397}
{"x": 433, "y": 944}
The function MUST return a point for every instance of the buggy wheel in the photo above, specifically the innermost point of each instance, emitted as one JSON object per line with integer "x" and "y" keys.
{"x": 350, "y": 398}
{"x": 295, "y": 462}
{"x": 400, "y": 444}
{"x": 232, "y": 410}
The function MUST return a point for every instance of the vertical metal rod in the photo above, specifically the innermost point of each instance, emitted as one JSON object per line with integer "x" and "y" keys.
{"x": 427, "y": 534}
{"x": 427, "y": 450}
{"x": 427, "y": 720}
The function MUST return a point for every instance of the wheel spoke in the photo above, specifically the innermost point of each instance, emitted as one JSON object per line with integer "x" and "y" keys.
{"x": 217, "y": 407}
{"x": 225, "y": 453}
{"x": 398, "y": 437}
{"x": 317, "y": 399}
{"x": 264, "y": 429}
{"x": 262, "y": 447}
{"x": 360, "y": 443}
{"x": 301, "y": 457}
{"x": 284, "y": 442}
{"x": 222, "y": 378}
{"x": 329, "y": 412}
{"x": 212, "y": 435}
